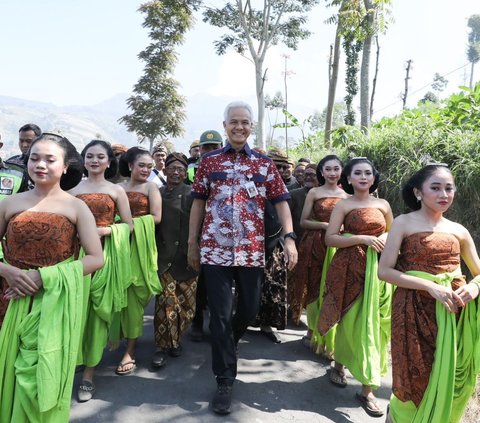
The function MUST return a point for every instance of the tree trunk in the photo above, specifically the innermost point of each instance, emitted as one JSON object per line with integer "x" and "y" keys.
{"x": 259, "y": 82}
{"x": 365, "y": 69}
{"x": 332, "y": 87}
{"x": 374, "y": 84}
{"x": 471, "y": 75}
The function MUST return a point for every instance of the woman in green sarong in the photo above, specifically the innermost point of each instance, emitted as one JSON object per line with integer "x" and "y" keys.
{"x": 108, "y": 289}
{"x": 146, "y": 207}
{"x": 435, "y": 314}
{"x": 40, "y": 336}
{"x": 355, "y": 300}
{"x": 312, "y": 250}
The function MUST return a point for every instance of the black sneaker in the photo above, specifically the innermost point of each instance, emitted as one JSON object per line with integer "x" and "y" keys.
{"x": 222, "y": 401}
{"x": 159, "y": 359}
{"x": 175, "y": 351}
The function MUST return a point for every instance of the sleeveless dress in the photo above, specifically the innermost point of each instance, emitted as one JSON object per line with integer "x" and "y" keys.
{"x": 102, "y": 207}
{"x": 139, "y": 204}
{"x": 416, "y": 329}
{"x": 358, "y": 302}
{"x": 311, "y": 255}
{"x": 143, "y": 260}
{"x": 108, "y": 288}
{"x": 40, "y": 337}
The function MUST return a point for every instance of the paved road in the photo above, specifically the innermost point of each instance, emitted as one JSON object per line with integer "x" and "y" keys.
{"x": 276, "y": 383}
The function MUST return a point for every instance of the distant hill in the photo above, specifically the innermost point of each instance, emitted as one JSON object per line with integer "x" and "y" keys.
{"x": 79, "y": 123}
{"x": 83, "y": 123}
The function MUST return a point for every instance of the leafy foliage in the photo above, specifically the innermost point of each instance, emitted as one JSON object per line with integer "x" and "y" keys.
{"x": 473, "y": 49}
{"x": 281, "y": 21}
{"x": 352, "y": 49}
{"x": 251, "y": 32}
{"x": 157, "y": 110}
{"x": 447, "y": 133}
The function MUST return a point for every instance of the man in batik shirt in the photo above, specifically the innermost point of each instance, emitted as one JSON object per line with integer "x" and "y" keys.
{"x": 230, "y": 190}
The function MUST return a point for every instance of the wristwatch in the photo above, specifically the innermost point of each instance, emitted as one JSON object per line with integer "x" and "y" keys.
{"x": 292, "y": 235}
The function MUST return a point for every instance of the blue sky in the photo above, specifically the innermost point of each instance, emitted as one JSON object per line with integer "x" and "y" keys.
{"x": 82, "y": 52}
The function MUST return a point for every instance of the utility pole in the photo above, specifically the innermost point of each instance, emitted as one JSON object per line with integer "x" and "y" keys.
{"x": 285, "y": 75}
{"x": 407, "y": 77}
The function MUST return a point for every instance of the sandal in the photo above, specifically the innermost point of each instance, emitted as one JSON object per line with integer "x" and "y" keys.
{"x": 338, "y": 378}
{"x": 370, "y": 405}
{"x": 120, "y": 368}
{"x": 85, "y": 391}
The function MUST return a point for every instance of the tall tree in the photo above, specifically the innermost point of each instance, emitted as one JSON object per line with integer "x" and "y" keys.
{"x": 372, "y": 23}
{"x": 439, "y": 83}
{"x": 157, "y": 109}
{"x": 352, "y": 48}
{"x": 473, "y": 49}
{"x": 358, "y": 23}
{"x": 333, "y": 68}
{"x": 253, "y": 31}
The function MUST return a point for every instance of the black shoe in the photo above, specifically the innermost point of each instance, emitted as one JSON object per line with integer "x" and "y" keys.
{"x": 196, "y": 334}
{"x": 222, "y": 401}
{"x": 175, "y": 351}
{"x": 159, "y": 359}
{"x": 273, "y": 336}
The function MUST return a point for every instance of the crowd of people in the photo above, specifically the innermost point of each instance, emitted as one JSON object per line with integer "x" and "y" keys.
{"x": 90, "y": 238}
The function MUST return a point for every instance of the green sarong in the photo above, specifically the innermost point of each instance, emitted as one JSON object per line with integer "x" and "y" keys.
{"x": 363, "y": 333}
{"x": 144, "y": 281}
{"x": 455, "y": 365}
{"x": 321, "y": 344}
{"x": 39, "y": 347}
{"x": 108, "y": 293}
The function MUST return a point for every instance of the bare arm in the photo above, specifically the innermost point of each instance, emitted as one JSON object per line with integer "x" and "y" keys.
{"x": 155, "y": 200}
{"x": 123, "y": 208}
{"x": 469, "y": 254}
{"x": 333, "y": 238}
{"x": 285, "y": 219}
{"x": 87, "y": 233}
{"x": 197, "y": 214}
{"x": 388, "y": 219}
{"x": 306, "y": 221}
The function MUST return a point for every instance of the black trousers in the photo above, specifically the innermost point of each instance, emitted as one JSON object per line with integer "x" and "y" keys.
{"x": 201, "y": 301}
{"x": 227, "y": 327}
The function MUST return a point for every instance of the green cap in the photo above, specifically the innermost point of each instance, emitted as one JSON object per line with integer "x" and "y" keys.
{"x": 211, "y": 137}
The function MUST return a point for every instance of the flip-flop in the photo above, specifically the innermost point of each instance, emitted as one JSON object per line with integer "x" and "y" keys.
{"x": 337, "y": 378}
{"x": 120, "y": 372}
{"x": 370, "y": 405}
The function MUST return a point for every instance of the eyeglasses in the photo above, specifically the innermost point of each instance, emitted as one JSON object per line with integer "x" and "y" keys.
{"x": 174, "y": 169}
{"x": 283, "y": 167}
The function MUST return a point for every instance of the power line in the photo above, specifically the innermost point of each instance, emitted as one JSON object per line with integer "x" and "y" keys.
{"x": 422, "y": 88}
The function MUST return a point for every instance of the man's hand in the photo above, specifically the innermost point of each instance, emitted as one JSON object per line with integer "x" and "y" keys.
{"x": 193, "y": 256}
{"x": 290, "y": 252}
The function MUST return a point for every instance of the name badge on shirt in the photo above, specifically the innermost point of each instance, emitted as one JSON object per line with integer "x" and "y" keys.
{"x": 251, "y": 189}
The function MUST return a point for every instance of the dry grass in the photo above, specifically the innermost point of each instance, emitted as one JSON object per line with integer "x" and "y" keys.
{"x": 472, "y": 413}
